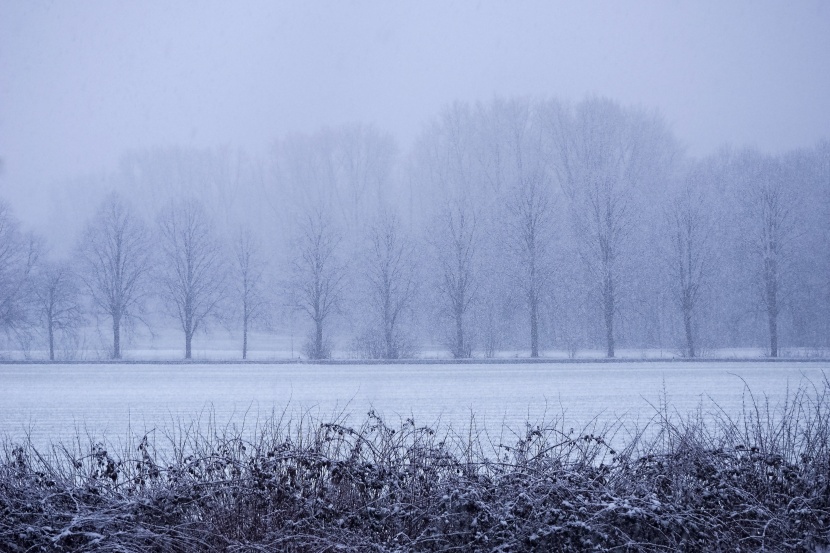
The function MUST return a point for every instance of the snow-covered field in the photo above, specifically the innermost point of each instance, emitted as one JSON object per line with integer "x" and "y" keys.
{"x": 58, "y": 402}
{"x": 167, "y": 344}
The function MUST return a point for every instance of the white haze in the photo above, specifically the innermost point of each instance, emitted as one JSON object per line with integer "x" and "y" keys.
{"x": 81, "y": 83}
{"x": 539, "y": 177}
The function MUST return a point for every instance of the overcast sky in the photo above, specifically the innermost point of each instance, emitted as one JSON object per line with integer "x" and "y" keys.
{"x": 82, "y": 82}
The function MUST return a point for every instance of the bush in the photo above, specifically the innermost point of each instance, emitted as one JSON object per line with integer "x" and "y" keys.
{"x": 698, "y": 483}
{"x": 371, "y": 344}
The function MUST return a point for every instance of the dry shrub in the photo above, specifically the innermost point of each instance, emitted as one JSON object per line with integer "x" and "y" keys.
{"x": 695, "y": 483}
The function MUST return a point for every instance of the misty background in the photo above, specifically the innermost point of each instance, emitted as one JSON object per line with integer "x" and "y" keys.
{"x": 466, "y": 178}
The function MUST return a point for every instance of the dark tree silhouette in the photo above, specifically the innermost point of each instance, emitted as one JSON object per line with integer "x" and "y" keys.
{"x": 115, "y": 260}
{"x": 390, "y": 273}
{"x": 318, "y": 276}
{"x": 689, "y": 224}
{"x": 771, "y": 203}
{"x": 192, "y": 271}
{"x": 58, "y": 299}
{"x": 249, "y": 279}
{"x": 19, "y": 255}
{"x": 608, "y": 158}
{"x": 456, "y": 241}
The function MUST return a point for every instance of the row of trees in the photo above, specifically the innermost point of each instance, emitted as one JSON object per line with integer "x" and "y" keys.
{"x": 113, "y": 273}
{"x": 513, "y": 225}
{"x": 602, "y": 229}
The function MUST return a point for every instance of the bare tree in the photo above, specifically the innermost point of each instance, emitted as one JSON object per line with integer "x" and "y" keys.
{"x": 58, "y": 299}
{"x": 249, "y": 278}
{"x": 456, "y": 240}
{"x": 771, "y": 206}
{"x": 348, "y": 169}
{"x": 515, "y": 166}
{"x": 604, "y": 218}
{"x": 193, "y": 273}
{"x": 609, "y": 159}
{"x": 19, "y": 254}
{"x": 318, "y": 275}
{"x": 823, "y": 162}
{"x": 531, "y": 214}
{"x": 115, "y": 259}
{"x": 689, "y": 225}
{"x": 449, "y": 187}
{"x": 390, "y": 273}
{"x": 363, "y": 163}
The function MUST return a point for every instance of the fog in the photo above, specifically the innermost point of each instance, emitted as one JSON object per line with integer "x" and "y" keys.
{"x": 83, "y": 83}
{"x": 373, "y": 124}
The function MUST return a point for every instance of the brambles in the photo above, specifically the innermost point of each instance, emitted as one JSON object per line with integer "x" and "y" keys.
{"x": 761, "y": 481}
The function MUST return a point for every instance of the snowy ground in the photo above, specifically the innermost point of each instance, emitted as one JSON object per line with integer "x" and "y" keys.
{"x": 225, "y": 345}
{"x": 57, "y": 402}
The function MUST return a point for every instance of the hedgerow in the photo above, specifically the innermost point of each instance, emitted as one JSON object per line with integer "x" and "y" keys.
{"x": 703, "y": 482}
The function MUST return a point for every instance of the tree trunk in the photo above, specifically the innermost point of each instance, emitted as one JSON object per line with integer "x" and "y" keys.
{"x": 608, "y": 301}
{"x": 687, "y": 322}
{"x": 771, "y": 275}
{"x": 116, "y": 337}
{"x": 459, "y": 334}
{"x": 534, "y": 327}
{"x": 318, "y": 340}
{"x": 51, "y": 340}
{"x": 390, "y": 346}
{"x": 244, "y": 338}
{"x": 188, "y": 328}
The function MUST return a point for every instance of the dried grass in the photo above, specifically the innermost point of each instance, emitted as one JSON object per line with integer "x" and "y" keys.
{"x": 758, "y": 481}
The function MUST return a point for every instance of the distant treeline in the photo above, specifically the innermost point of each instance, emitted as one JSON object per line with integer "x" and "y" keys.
{"x": 522, "y": 225}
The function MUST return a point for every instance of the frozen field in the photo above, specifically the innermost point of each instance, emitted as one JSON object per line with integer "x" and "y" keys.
{"x": 55, "y": 402}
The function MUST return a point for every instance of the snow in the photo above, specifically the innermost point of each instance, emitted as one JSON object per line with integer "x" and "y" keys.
{"x": 58, "y": 402}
